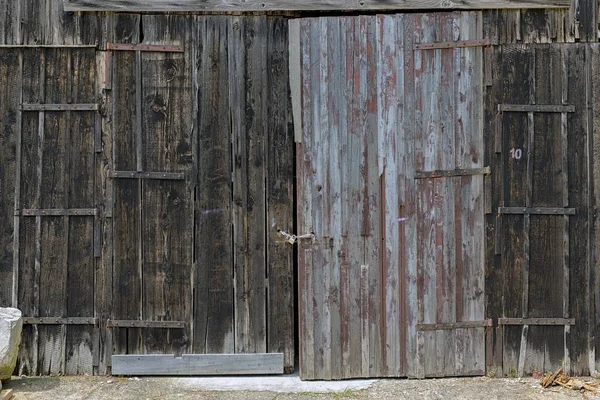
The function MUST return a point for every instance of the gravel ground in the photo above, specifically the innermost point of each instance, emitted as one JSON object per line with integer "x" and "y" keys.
{"x": 183, "y": 388}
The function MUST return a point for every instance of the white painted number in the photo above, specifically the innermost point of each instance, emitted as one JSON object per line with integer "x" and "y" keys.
{"x": 516, "y": 153}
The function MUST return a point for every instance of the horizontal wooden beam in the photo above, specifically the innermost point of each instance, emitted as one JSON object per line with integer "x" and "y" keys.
{"x": 452, "y": 45}
{"x": 536, "y": 108}
{"x": 148, "y": 175}
{"x": 134, "y": 323}
{"x": 452, "y": 172}
{"x": 145, "y": 47}
{"x": 198, "y": 364}
{"x": 51, "y": 212}
{"x": 60, "y": 320}
{"x": 301, "y": 5}
{"x": 536, "y": 321}
{"x": 454, "y": 325}
{"x": 48, "y": 46}
{"x": 59, "y": 107}
{"x": 537, "y": 210}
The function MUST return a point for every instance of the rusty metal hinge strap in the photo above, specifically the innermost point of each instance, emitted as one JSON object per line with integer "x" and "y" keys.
{"x": 537, "y": 210}
{"x": 452, "y": 173}
{"x": 60, "y": 321}
{"x": 59, "y": 107}
{"x": 148, "y": 175}
{"x": 536, "y": 108}
{"x": 144, "y": 47}
{"x": 134, "y": 323}
{"x": 536, "y": 321}
{"x": 454, "y": 325}
{"x": 452, "y": 45}
{"x": 52, "y": 212}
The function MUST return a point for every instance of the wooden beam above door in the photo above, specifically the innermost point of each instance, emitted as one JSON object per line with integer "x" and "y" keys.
{"x": 302, "y": 5}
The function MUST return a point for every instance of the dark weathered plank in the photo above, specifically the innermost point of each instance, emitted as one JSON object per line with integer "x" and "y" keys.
{"x": 10, "y": 27}
{"x": 10, "y": 143}
{"x": 54, "y": 238}
{"x": 249, "y": 138}
{"x": 255, "y": 5}
{"x": 213, "y": 308}
{"x": 127, "y": 274}
{"x": 81, "y": 185}
{"x": 581, "y": 269}
{"x": 28, "y": 276}
{"x": 167, "y": 221}
{"x": 199, "y": 364}
{"x": 515, "y": 63}
{"x": 279, "y": 195}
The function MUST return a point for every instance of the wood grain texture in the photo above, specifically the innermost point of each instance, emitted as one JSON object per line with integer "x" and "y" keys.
{"x": 219, "y": 5}
{"x": 214, "y": 301}
{"x": 127, "y": 274}
{"x": 10, "y": 121}
{"x": 280, "y": 194}
{"x": 167, "y": 218}
{"x": 249, "y": 156}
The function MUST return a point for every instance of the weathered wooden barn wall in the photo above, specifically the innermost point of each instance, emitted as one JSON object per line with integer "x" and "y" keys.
{"x": 215, "y": 120}
{"x": 148, "y": 200}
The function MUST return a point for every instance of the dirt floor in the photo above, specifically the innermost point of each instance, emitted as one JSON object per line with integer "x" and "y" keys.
{"x": 190, "y": 388}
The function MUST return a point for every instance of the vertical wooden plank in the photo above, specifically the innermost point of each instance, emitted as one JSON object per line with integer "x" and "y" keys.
{"x": 280, "y": 194}
{"x": 213, "y": 307}
{"x": 10, "y": 27}
{"x": 127, "y": 279}
{"x": 322, "y": 277}
{"x": 335, "y": 68}
{"x": 304, "y": 177}
{"x": 581, "y": 270}
{"x": 449, "y": 145}
{"x": 54, "y": 194}
{"x": 104, "y": 192}
{"x": 390, "y": 57}
{"x": 546, "y": 344}
{"x": 593, "y": 139}
{"x": 409, "y": 233}
{"x": 81, "y": 186}
{"x": 28, "y": 277}
{"x": 469, "y": 200}
{"x": 10, "y": 154}
{"x": 343, "y": 109}
{"x": 352, "y": 162}
{"x": 372, "y": 189}
{"x": 514, "y": 68}
{"x": 249, "y": 191}
{"x": 167, "y": 222}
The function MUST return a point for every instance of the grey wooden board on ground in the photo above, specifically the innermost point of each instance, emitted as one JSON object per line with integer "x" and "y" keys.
{"x": 198, "y": 364}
